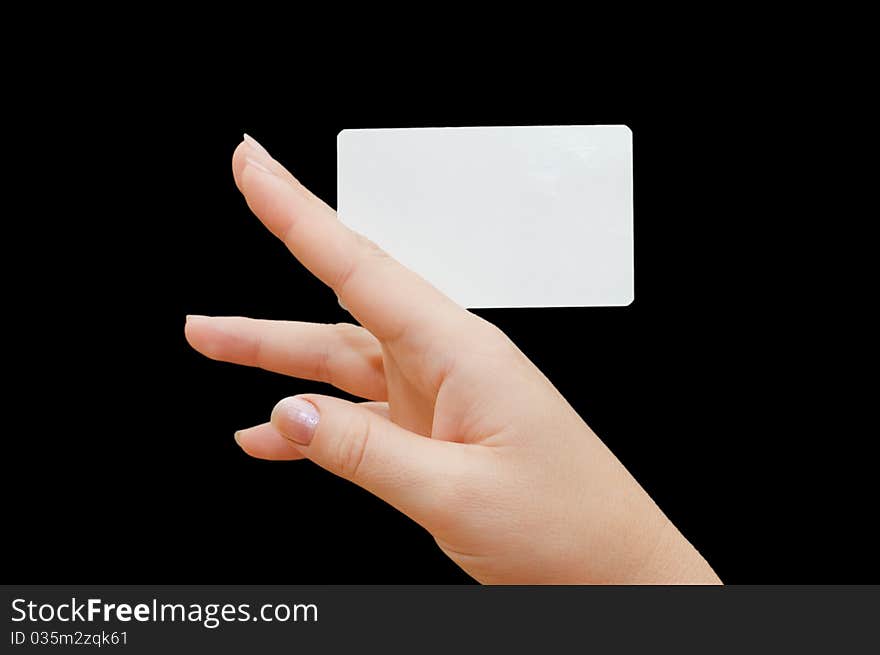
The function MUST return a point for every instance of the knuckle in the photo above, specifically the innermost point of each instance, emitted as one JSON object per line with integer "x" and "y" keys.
{"x": 347, "y": 331}
{"x": 260, "y": 354}
{"x": 324, "y": 365}
{"x": 370, "y": 247}
{"x": 345, "y": 275}
{"x": 492, "y": 333}
{"x": 365, "y": 251}
{"x": 492, "y": 340}
{"x": 352, "y": 448}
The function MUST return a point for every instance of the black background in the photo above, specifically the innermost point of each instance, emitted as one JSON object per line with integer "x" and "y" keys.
{"x": 712, "y": 388}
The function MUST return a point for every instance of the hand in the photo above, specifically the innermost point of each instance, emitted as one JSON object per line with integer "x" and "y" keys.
{"x": 464, "y": 434}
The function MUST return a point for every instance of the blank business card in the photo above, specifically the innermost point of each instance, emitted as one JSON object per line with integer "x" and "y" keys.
{"x": 538, "y": 216}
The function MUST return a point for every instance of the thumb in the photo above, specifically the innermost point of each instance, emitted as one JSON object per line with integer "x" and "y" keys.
{"x": 417, "y": 475}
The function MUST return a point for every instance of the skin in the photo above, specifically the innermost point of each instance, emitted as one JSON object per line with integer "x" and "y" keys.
{"x": 462, "y": 433}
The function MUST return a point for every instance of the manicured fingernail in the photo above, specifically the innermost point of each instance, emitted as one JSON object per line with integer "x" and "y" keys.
{"x": 257, "y": 156}
{"x": 253, "y": 143}
{"x": 296, "y": 419}
{"x": 250, "y": 161}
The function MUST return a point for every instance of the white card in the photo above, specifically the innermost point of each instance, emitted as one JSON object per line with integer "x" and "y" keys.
{"x": 498, "y": 216}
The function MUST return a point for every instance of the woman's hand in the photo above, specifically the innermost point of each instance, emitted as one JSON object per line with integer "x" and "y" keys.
{"x": 463, "y": 435}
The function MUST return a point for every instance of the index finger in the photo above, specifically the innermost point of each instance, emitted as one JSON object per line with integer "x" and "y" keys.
{"x": 384, "y": 296}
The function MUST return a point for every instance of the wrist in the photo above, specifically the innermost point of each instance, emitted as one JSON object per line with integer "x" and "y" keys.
{"x": 673, "y": 560}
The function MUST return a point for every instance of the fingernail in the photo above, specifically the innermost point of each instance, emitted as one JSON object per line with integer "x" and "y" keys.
{"x": 189, "y": 316}
{"x": 253, "y": 143}
{"x": 256, "y": 155}
{"x": 249, "y": 161}
{"x": 296, "y": 419}
{"x": 237, "y": 438}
